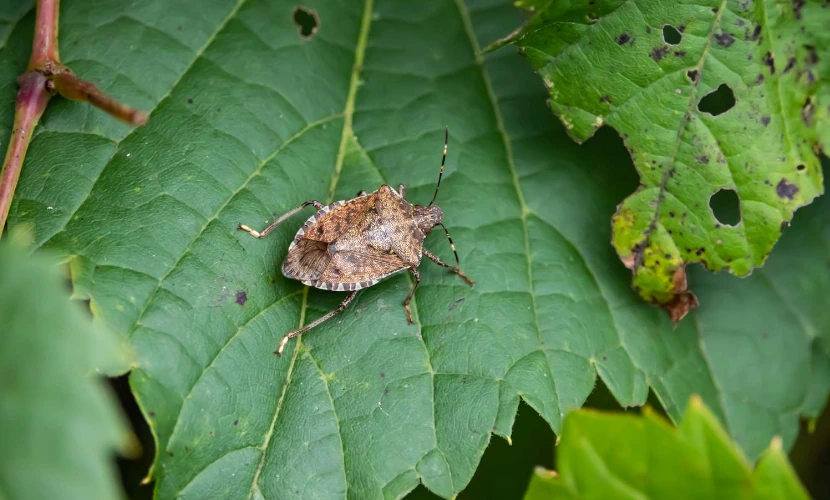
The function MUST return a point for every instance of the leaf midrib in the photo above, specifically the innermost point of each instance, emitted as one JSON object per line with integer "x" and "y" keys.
{"x": 348, "y": 116}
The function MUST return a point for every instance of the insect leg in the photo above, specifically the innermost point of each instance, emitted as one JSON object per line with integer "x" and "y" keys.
{"x": 411, "y": 293}
{"x": 264, "y": 232}
{"x": 454, "y": 268}
{"x": 402, "y": 190}
{"x": 294, "y": 333}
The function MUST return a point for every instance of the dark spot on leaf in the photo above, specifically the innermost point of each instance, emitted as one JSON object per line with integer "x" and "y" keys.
{"x": 671, "y": 35}
{"x": 186, "y": 449}
{"x": 790, "y": 64}
{"x": 152, "y": 413}
{"x": 623, "y": 38}
{"x": 800, "y": 167}
{"x": 759, "y": 79}
{"x": 241, "y": 297}
{"x": 382, "y": 375}
{"x": 668, "y": 256}
{"x": 756, "y": 33}
{"x": 726, "y": 207}
{"x": 769, "y": 60}
{"x": 679, "y": 53}
{"x": 386, "y": 390}
{"x": 765, "y": 120}
{"x": 797, "y": 5}
{"x": 715, "y": 10}
{"x": 179, "y": 28}
{"x": 169, "y": 453}
{"x": 657, "y": 53}
{"x": 740, "y": 22}
{"x": 692, "y": 74}
{"x": 236, "y": 422}
{"x": 724, "y": 39}
{"x": 605, "y": 98}
{"x": 671, "y": 214}
{"x": 812, "y": 55}
{"x": 700, "y": 251}
{"x": 786, "y": 190}
{"x": 702, "y": 159}
{"x": 211, "y": 433}
{"x": 718, "y": 102}
{"x": 784, "y": 225}
{"x": 307, "y": 22}
{"x": 190, "y": 101}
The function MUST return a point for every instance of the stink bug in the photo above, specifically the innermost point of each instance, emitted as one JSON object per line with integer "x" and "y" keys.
{"x": 353, "y": 244}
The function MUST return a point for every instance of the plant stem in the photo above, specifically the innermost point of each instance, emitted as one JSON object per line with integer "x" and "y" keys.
{"x": 44, "y": 76}
{"x": 31, "y": 102}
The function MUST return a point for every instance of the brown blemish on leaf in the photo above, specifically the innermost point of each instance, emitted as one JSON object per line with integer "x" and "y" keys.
{"x": 724, "y": 39}
{"x": 605, "y": 98}
{"x": 807, "y": 112}
{"x": 786, "y": 190}
{"x": 683, "y": 300}
{"x": 623, "y": 38}
{"x": 241, "y": 297}
{"x": 679, "y": 53}
{"x": 790, "y": 64}
{"x": 812, "y": 55}
{"x": 702, "y": 159}
{"x": 765, "y": 120}
{"x": 756, "y": 33}
{"x": 658, "y": 53}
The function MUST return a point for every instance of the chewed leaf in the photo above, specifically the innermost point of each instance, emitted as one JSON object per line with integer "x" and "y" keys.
{"x": 610, "y": 455}
{"x": 709, "y": 97}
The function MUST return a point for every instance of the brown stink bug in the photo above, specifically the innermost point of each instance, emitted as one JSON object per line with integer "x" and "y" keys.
{"x": 353, "y": 244}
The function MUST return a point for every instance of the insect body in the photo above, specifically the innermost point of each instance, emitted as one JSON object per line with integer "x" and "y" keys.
{"x": 353, "y": 244}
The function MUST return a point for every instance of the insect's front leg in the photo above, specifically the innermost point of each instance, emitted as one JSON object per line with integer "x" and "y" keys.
{"x": 455, "y": 269}
{"x": 408, "y": 298}
{"x": 294, "y": 333}
{"x": 273, "y": 225}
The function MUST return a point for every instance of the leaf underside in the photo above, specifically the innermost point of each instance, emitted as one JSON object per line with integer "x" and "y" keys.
{"x": 629, "y": 457}
{"x": 711, "y": 97}
{"x": 249, "y": 120}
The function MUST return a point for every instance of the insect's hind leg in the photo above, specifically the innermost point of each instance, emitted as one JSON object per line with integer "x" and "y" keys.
{"x": 408, "y": 298}
{"x": 294, "y": 333}
{"x": 273, "y": 225}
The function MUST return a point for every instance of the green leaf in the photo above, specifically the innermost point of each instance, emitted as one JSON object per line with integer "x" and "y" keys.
{"x": 249, "y": 120}
{"x": 610, "y": 455}
{"x": 655, "y": 70}
{"x": 58, "y": 423}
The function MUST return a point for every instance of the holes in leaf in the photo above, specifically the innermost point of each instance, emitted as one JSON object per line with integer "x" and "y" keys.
{"x": 692, "y": 75}
{"x": 670, "y": 35}
{"x": 718, "y": 102}
{"x": 726, "y": 207}
{"x": 307, "y": 21}
{"x": 800, "y": 167}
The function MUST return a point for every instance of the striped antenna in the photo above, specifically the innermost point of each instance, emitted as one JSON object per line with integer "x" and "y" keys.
{"x": 443, "y": 159}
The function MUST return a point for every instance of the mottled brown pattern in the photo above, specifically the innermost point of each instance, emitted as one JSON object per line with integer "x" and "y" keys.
{"x": 306, "y": 261}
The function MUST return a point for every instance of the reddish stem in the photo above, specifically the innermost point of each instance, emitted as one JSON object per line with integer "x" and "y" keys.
{"x": 31, "y": 102}
{"x": 72, "y": 87}
{"x": 45, "y": 75}
{"x": 45, "y": 45}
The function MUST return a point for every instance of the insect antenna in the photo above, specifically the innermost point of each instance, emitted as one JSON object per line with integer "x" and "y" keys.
{"x": 441, "y": 172}
{"x": 452, "y": 245}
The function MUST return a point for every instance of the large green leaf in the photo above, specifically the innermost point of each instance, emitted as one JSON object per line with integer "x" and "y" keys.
{"x": 58, "y": 425}
{"x": 248, "y": 121}
{"x": 630, "y": 457}
{"x": 647, "y": 69}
